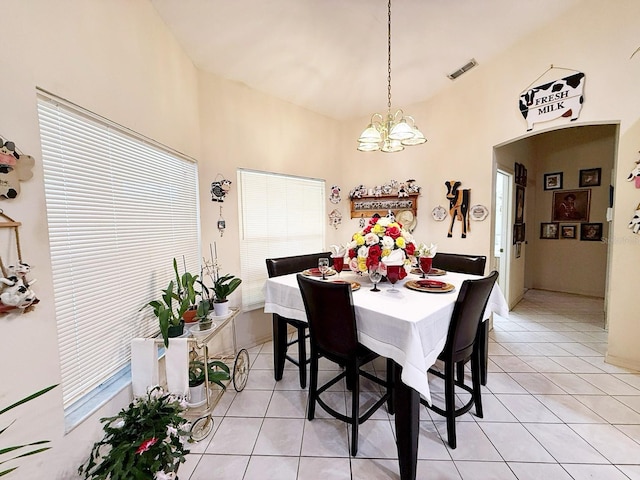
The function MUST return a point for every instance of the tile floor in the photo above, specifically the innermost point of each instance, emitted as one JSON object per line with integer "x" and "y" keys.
{"x": 553, "y": 410}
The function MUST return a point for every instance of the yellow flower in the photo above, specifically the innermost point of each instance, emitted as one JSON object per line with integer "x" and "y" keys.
{"x": 378, "y": 229}
{"x": 359, "y": 239}
{"x": 386, "y": 252}
{"x": 362, "y": 264}
{"x": 400, "y": 242}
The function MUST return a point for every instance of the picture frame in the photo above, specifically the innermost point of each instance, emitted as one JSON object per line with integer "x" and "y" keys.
{"x": 549, "y": 230}
{"x": 519, "y": 204}
{"x": 590, "y": 177}
{"x": 571, "y": 206}
{"x": 520, "y": 174}
{"x": 518, "y": 249}
{"x": 553, "y": 181}
{"x": 518, "y": 233}
{"x": 591, "y": 232}
{"x": 568, "y": 231}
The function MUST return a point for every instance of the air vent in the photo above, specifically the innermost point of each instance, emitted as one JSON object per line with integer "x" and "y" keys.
{"x": 465, "y": 68}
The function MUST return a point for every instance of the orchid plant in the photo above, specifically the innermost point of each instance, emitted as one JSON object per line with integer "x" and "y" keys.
{"x": 145, "y": 440}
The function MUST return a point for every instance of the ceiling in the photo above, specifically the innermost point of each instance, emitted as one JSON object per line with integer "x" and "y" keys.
{"x": 330, "y": 56}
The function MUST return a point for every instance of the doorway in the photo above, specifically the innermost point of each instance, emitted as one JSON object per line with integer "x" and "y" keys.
{"x": 502, "y": 232}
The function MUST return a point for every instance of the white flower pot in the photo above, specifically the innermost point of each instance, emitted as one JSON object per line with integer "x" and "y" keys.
{"x": 197, "y": 395}
{"x": 221, "y": 308}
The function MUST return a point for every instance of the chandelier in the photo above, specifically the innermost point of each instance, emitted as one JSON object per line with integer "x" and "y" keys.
{"x": 395, "y": 131}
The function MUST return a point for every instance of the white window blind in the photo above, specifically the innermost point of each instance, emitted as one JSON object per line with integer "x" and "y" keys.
{"x": 280, "y": 215}
{"x": 119, "y": 209}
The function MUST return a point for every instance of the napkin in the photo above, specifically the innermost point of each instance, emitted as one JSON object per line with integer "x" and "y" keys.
{"x": 396, "y": 257}
{"x": 429, "y": 252}
{"x": 338, "y": 250}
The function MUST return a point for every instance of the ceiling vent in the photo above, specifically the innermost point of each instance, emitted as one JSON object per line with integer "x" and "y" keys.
{"x": 465, "y": 68}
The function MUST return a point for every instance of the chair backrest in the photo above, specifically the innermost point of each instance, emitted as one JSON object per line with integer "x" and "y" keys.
{"x": 461, "y": 263}
{"x": 294, "y": 264}
{"x": 332, "y": 319}
{"x": 467, "y": 315}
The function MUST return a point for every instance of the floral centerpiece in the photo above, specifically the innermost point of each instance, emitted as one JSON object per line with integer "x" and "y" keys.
{"x": 144, "y": 440}
{"x": 381, "y": 239}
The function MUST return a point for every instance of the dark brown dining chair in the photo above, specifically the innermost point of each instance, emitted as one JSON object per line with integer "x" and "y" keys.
{"x": 334, "y": 336}
{"x": 473, "y": 265}
{"x": 284, "y": 266}
{"x": 461, "y": 347}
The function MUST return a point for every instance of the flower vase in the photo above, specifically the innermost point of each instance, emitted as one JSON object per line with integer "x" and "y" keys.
{"x": 221, "y": 308}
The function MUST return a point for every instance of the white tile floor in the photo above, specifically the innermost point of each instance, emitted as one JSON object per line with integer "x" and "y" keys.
{"x": 553, "y": 410}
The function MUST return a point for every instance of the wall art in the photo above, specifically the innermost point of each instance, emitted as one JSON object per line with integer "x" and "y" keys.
{"x": 549, "y": 230}
{"x": 15, "y": 167}
{"x": 553, "y": 181}
{"x": 591, "y": 232}
{"x": 571, "y": 205}
{"x": 568, "y": 231}
{"x": 459, "y": 202}
{"x": 590, "y": 177}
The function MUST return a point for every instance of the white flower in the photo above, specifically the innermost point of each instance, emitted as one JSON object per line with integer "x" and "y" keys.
{"x": 407, "y": 236}
{"x": 388, "y": 242}
{"x": 165, "y": 476}
{"x": 171, "y": 430}
{"x": 117, "y": 424}
{"x": 352, "y": 244}
{"x": 384, "y": 221}
{"x": 363, "y": 251}
{"x": 371, "y": 238}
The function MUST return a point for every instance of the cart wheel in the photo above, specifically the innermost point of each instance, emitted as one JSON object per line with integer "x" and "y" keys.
{"x": 201, "y": 428}
{"x": 241, "y": 370}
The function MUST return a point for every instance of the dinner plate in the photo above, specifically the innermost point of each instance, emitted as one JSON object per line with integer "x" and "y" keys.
{"x": 354, "y": 285}
{"x": 315, "y": 272}
{"x": 434, "y": 272}
{"x": 434, "y": 288}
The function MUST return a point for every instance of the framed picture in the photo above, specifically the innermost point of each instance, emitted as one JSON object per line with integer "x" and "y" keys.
{"x": 591, "y": 232}
{"x": 571, "y": 205}
{"x": 520, "y": 173}
{"x": 590, "y": 177}
{"x": 553, "y": 181}
{"x": 518, "y": 233}
{"x": 518, "y": 249}
{"x": 549, "y": 230}
{"x": 568, "y": 231}
{"x": 519, "y": 204}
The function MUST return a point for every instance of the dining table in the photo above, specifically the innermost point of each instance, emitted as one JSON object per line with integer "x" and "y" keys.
{"x": 408, "y": 326}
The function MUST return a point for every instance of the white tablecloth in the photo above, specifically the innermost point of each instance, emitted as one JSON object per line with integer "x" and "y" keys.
{"x": 410, "y": 327}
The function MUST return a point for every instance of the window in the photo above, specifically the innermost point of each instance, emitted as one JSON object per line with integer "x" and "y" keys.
{"x": 280, "y": 215}
{"x": 119, "y": 209}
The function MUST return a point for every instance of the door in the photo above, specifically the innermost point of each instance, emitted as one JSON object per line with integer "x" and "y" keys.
{"x": 502, "y": 241}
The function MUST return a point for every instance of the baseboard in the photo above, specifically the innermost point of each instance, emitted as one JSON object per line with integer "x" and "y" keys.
{"x": 622, "y": 362}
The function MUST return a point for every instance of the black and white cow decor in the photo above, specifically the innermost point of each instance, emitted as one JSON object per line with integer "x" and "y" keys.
{"x": 219, "y": 189}
{"x": 458, "y": 206}
{"x": 560, "y": 98}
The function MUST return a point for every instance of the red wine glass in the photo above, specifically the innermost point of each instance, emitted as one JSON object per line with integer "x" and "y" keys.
{"x": 393, "y": 275}
{"x": 425, "y": 265}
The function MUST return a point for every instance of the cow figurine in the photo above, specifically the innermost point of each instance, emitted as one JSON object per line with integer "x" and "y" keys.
{"x": 634, "y": 224}
{"x": 219, "y": 189}
{"x": 635, "y": 173}
{"x": 458, "y": 206}
{"x": 560, "y": 98}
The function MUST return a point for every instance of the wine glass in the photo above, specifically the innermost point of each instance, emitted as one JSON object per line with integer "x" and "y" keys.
{"x": 338, "y": 264}
{"x": 393, "y": 275}
{"x": 425, "y": 266}
{"x": 323, "y": 266}
{"x": 375, "y": 275}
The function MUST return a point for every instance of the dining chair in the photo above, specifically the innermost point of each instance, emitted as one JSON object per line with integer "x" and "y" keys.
{"x": 461, "y": 347}
{"x": 334, "y": 336}
{"x": 473, "y": 265}
{"x": 284, "y": 266}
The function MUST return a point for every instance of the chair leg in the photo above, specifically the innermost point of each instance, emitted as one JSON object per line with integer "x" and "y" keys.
{"x": 460, "y": 372}
{"x": 450, "y": 402}
{"x": 313, "y": 385}
{"x": 476, "y": 376}
{"x": 390, "y": 387}
{"x": 302, "y": 356}
{"x": 482, "y": 340}
{"x": 355, "y": 410}
{"x": 279, "y": 346}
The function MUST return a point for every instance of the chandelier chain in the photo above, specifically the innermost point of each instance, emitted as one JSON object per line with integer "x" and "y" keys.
{"x": 389, "y": 58}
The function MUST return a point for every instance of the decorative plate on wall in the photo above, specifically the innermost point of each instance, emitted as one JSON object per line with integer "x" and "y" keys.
{"x": 439, "y": 213}
{"x": 478, "y": 212}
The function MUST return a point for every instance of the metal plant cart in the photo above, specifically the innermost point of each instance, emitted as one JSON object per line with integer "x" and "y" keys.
{"x": 238, "y": 362}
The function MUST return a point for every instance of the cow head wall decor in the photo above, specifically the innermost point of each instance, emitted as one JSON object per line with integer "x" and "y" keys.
{"x": 14, "y": 168}
{"x": 219, "y": 189}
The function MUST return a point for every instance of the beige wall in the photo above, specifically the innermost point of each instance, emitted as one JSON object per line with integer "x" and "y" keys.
{"x": 116, "y": 58}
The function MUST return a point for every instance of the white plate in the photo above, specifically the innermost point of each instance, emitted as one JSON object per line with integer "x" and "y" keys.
{"x": 195, "y": 330}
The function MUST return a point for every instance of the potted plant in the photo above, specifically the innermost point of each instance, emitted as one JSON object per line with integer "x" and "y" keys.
{"x": 144, "y": 440}
{"x": 218, "y": 373}
{"x": 186, "y": 292}
{"x": 222, "y": 288}
{"x": 170, "y": 315}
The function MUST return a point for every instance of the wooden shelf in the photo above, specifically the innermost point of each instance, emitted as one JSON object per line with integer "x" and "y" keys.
{"x": 367, "y": 206}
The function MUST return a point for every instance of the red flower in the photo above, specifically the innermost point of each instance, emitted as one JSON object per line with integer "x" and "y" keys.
{"x": 146, "y": 445}
{"x": 352, "y": 253}
{"x": 410, "y": 249}
{"x": 374, "y": 255}
{"x": 373, "y": 220}
{"x": 394, "y": 232}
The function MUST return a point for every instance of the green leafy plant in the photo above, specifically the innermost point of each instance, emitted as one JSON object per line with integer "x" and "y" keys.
{"x": 143, "y": 441}
{"x": 218, "y": 373}
{"x": 225, "y": 286}
{"x": 181, "y": 291}
{"x": 16, "y": 448}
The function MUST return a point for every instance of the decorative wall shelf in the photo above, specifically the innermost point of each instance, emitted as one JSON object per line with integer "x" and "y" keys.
{"x": 367, "y": 206}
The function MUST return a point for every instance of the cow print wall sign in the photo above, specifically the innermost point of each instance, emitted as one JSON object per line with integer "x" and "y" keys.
{"x": 559, "y": 98}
